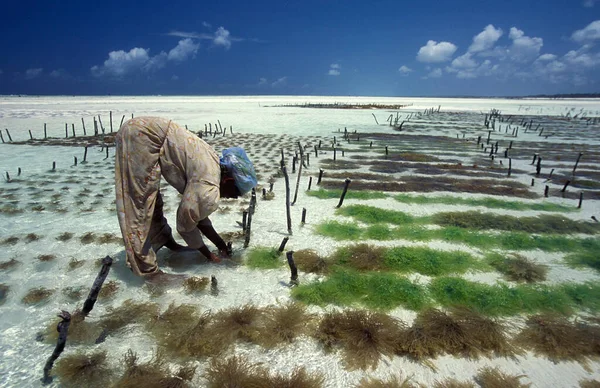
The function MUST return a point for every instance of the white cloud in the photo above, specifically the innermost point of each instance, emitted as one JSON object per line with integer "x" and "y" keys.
{"x": 33, "y": 73}
{"x": 405, "y": 70}
{"x": 120, "y": 62}
{"x": 434, "y": 52}
{"x": 486, "y": 39}
{"x": 589, "y": 3}
{"x": 523, "y": 48}
{"x": 546, "y": 57}
{"x": 222, "y": 38}
{"x": 184, "y": 49}
{"x": 279, "y": 82}
{"x": 334, "y": 69}
{"x": 464, "y": 62}
{"x": 589, "y": 33}
{"x": 174, "y": 77}
{"x": 262, "y": 81}
{"x": 207, "y": 25}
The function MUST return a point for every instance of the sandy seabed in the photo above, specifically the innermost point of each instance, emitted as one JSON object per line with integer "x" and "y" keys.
{"x": 67, "y": 211}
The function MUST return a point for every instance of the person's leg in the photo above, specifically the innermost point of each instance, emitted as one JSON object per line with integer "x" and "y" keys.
{"x": 161, "y": 234}
{"x": 137, "y": 178}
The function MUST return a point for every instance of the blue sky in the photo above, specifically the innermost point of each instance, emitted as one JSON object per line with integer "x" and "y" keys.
{"x": 376, "y": 48}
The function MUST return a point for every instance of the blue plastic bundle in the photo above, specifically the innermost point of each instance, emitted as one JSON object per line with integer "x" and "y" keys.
{"x": 242, "y": 169}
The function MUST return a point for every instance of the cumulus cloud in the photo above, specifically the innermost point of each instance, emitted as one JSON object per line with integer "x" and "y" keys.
{"x": 184, "y": 49}
{"x": 589, "y": 33}
{"x": 524, "y": 48}
{"x": 486, "y": 68}
{"x": 334, "y": 69}
{"x": 222, "y": 38}
{"x": 486, "y": 39}
{"x": 206, "y": 24}
{"x": 546, "y": 57}
{"x": 405, "y": 70}
{"x": 434, "y": 52}
{"x": 465, "y": 61}
{"x": 33, "y": 73}
{"x": 121, "y": 63}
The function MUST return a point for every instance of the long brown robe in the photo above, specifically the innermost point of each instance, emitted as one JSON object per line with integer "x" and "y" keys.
{"x": 148, "y": 147}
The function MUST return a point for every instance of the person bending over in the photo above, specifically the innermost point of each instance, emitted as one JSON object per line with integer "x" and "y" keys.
{"x": 150, "y": 147}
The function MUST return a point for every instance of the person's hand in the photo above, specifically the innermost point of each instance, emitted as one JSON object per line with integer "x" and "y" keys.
{"x": 214, "y": 258}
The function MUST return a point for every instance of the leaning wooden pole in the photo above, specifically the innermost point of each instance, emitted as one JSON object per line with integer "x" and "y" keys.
{"x": 293, "y": 269}
{"x": 346, "y": 184}
{"x": 248, "y": 230}
{"x": 88, "y": 305}
{"x": 287, "y": 199}
{"x": 63, "y": 330}
{"x": 298, "y": 179}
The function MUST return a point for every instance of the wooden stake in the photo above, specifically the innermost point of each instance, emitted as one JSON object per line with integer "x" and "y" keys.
{"x": 565, "y": 186}
{"x": 1, "y": 137}
{"x": 293, "y": 269}
{"x": 509, "y": 166}
{"x": 75, "y": 160}
{"x": 45, "y": 134}
{"x": 577, "y": 162}
{"x": 320, "y": 176}
{"x": 287, "y": 199}
{"x": 85, "y": 154}
{"x": 248, "y": 230}
{"x": 30, "y": 135}
{"x": 63, "y": 330}
{"x": 110, "y": 115}
{"x": 309, "y": 183}
{"x": 83, "y": 125}
{"x": 7, "y": 176}
{"x": 283, "y": 242}
{"x": 101, "y": 125}
{"x": 244, "y": 220}
{"x": 122, "y": 118}
{"x": 580, "y": 200}
{"x": 8, "y": 133}
{"x": 546, "y": 191}
{"x": 88, "y": 305}
{"x": 66, "y": 130}
{"x": 73, "y": 129}
{"x": 346, "y": 184}
{"x": 53, "y": 166}
{"x": 303, "y": 215}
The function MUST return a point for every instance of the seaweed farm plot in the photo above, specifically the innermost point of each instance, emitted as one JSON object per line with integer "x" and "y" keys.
{"x": 435, "y": 248}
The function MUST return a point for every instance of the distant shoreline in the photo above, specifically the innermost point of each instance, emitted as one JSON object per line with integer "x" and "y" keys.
{"x": 537, "y": 96}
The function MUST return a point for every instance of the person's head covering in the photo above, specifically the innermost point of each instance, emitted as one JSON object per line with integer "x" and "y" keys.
{"x": 240, "y": 167}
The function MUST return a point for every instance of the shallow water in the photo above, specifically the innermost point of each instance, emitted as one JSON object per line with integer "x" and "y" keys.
{"x": 80, "y": 200}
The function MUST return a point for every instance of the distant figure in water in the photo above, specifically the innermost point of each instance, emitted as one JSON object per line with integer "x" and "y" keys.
{"x": 148, "y": 147}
